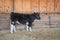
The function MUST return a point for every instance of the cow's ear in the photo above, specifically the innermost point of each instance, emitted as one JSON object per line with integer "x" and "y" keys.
{"x": 35, "y": 12}
{"x": 12, "y": 12}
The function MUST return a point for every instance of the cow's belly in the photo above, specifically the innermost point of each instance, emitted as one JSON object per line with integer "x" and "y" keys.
{"x": 21, "y": 22}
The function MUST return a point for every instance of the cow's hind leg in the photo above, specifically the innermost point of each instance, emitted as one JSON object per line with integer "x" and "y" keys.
{"x": 30, "y": 27}
{"x": 12, "y": 27}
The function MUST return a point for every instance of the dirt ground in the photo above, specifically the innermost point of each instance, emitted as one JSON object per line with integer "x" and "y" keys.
{"x": 41, "y": 34}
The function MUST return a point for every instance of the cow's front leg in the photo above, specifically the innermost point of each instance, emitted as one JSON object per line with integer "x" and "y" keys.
{"x": 30, "y": 26}
{"x": 27, "y": 27}
{"x": 30, "y": 29}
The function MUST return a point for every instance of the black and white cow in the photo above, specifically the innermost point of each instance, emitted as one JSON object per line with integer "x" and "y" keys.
{"x": 26, "y": 19}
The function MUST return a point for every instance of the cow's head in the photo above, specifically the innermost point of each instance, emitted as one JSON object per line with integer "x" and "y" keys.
{"x": 37, "y": 15}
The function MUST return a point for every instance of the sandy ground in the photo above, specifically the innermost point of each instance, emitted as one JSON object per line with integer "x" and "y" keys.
{"x": 41, "y": 34}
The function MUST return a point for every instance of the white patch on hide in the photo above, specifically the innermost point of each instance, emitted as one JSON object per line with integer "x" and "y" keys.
{"x": 27, "y": 27}
{"x": 30, "y": 29}
{"x": 12, "y": 28}
{"x": 17, "y": 22}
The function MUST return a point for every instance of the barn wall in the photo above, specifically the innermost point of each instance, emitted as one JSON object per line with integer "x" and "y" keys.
{"x": 4, "y": 21}
{"x": 1, "y": 5}
{"x": 43, "y": 6}
{"x": 35, "y": 5}
{"x": 18, "y": 5}
{"x": 28, "y": 6}
{"x": 50, "y": 5}
{"x": 57, "y": 5}
{"x": 5, "y": 6}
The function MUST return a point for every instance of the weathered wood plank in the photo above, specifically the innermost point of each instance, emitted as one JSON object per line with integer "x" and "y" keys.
{"x": 50, "y": 6}
{"x": 7, "y": 6}
{"x": 43, "y": 6}
{"x": 4, "y": 16}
